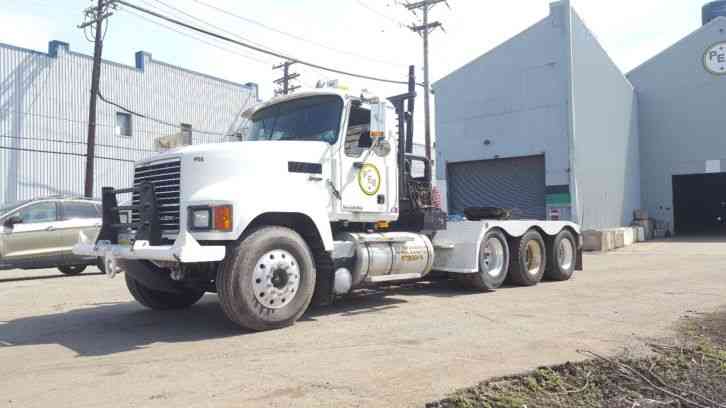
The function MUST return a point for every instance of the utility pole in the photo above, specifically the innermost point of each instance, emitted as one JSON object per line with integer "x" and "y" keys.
{"x": 424, "y": 30}
{"x": 94, "y": 19}
{"x": 287, "y": 77}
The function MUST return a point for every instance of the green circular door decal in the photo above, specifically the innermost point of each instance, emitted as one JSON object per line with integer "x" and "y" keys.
{"x": 369, "y": 179}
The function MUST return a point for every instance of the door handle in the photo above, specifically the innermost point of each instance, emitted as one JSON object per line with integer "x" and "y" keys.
{"x": 315, "y": 178}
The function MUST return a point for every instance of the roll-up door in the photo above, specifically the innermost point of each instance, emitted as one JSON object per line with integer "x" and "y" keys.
{"x": 517, "y": 183}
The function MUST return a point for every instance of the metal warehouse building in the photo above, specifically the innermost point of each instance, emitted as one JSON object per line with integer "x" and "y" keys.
{"x": 681, "y": 95}
{"x": 547, "y": 124}
{"x": 44, "y": 117}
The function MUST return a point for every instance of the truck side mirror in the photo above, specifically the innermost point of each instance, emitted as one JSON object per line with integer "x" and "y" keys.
{"x": 378, "y": 121}
{"x": 12, "y": 220}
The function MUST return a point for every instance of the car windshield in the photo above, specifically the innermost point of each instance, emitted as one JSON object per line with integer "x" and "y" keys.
{"x": 9, "y": 207}
{"x": 314, "y": 118}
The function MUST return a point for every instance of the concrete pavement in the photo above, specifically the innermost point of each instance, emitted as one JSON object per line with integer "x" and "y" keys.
{"x": 82, "y": 342}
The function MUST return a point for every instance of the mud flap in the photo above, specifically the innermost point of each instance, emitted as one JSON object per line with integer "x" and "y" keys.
{"x": 324, "y": 281}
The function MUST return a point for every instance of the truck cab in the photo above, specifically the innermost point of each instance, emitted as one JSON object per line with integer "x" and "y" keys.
{"x": 318, "y": 199}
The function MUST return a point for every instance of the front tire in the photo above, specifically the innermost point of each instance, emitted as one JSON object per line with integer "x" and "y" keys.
{"x": 267, "y": 280}
{"x": 72, "y": 270}
{"x": 158, "y": 300}
{"x": 529, "y": 259}
{"x": 493, "y": 263}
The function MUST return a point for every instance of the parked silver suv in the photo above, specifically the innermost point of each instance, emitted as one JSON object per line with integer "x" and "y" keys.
{"x": 41, "y": 233}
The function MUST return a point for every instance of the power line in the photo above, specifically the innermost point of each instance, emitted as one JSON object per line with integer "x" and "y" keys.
{"x": 255, "y": 48}
{"x": 295, "y": 36}
{"x": 39, "y": 139}
{"x": 211, "y": 44}
{"x": 193, "y": 17}
{"x": 381, "y": 14}
{"x": 153, "y": 119}
{"x": 245, "y": 104}
{"x": 20, "y": 149}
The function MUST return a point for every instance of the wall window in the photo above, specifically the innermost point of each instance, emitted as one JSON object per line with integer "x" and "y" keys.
{"x": 123, "y": 124}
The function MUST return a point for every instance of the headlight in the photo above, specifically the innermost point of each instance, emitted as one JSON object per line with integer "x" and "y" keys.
{"x": 217, "y": 218}
{"x": 202, "y": 219}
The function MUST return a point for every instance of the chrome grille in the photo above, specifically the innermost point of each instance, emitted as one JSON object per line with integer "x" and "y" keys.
{"x": 166, "y": 178}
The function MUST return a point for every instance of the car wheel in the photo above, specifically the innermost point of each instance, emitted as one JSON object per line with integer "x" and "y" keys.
{"x": 72, "y": 270}
{"x": 267, "y": 280}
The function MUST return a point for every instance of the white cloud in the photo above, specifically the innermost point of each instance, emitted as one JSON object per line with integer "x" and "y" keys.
{"x": 25, "y": 31}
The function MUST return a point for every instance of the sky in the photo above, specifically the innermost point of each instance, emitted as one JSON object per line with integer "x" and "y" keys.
{"x": 365, "y": 36}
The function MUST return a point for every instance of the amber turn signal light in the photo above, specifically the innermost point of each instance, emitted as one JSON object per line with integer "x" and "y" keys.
{"x": 223, "y": 218}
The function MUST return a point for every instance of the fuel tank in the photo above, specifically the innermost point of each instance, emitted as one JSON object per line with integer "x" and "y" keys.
{"x": 389, "y": 256}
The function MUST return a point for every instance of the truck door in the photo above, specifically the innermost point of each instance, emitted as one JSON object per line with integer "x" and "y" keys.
{"x": 368, "y": 183}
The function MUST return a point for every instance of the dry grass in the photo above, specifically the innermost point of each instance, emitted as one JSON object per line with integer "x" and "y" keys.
{"x": 686, "y": 371}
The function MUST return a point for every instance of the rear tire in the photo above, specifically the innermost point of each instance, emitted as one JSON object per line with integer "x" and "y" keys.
{"x": 493, "y": 263}
{"x": 528, "y": 259}
{"x": 158, "y": 300}
{"x": 72, "y": 270}
{"x": 267, "y": 280}
{"x": 561, "y": 256}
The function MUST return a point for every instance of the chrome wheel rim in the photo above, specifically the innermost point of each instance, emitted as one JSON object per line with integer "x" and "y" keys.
{"x": 276, "y": 279}
{"x": 492, "y": 257}
{"x": 565, "y": 254}
{"x": 533, "y": 257}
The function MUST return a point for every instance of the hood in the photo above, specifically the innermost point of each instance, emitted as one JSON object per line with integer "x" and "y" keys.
{"x": 222, "y": 170}
{"x": 250, "y": 149}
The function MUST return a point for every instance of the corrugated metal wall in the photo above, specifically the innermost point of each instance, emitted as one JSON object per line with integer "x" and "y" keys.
{"x": 510, "y": 102}
{"x": 44, "y": 116}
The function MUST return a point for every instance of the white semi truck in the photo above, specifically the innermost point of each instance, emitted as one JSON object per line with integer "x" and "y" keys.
{"x": 318, "y": 200}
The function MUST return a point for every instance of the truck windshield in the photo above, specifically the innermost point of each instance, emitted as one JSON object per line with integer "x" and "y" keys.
{"x": 315, "y": 118}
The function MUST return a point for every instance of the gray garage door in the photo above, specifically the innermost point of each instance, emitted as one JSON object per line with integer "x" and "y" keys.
{"x": 517, "y": 183}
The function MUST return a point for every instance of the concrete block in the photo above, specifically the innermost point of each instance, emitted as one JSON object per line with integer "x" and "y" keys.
{"x": 619, "y": 237}
{"x": 598, "y": 240}
{"x": 648, "y": 227}
{"x": 639, "y": 215}
{"x": 628, "y": 236}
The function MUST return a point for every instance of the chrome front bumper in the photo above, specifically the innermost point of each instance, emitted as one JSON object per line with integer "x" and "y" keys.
{"x": 185, "y": 249}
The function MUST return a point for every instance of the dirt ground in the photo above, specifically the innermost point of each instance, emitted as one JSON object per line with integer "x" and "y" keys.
{"x": 685, "y": 370}
{"x": 81, "y": 341}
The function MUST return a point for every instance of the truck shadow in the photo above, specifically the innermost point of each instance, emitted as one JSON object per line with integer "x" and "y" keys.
{"x": 43, "y": 277}
{"x": 109, "y": 328}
